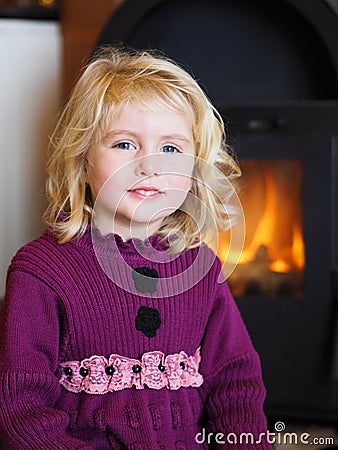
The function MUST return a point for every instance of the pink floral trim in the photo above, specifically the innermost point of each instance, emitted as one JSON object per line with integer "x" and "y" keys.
{"x": 99, "y": 375}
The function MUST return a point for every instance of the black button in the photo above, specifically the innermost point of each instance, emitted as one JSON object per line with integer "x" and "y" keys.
{"x": 145, "y": 279}
{"x": 182, "y": 365}
{"x": 148, "y": 320}
{"x": 137, "y": 369}
{"x": 68, "y": 371}
{"x": 83, "y": 372}
{"x": 161, "y": 368}
{"x": 109, "y": 370}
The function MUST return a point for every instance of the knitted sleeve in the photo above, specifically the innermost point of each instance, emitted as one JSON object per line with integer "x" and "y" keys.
{"x": 233, "y": 387}
{"x": 29, "y": 348}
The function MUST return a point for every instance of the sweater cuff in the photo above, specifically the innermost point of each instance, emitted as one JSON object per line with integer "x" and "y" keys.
{"x": 26, "y": 421}
{"x": 234, "y": 406}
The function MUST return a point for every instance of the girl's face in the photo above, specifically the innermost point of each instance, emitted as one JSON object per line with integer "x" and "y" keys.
{"x": 140, "y": 172}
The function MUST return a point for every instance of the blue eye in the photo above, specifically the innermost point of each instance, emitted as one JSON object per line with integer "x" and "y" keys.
{"x": 170, "y": 149}
{"x": 125, "y": 146}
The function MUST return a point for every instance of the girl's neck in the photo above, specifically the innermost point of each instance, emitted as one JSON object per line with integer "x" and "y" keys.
{"x": 127, "y": 231}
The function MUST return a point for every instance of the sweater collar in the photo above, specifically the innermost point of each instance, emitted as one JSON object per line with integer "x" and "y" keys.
{"x": 93, "y": 239}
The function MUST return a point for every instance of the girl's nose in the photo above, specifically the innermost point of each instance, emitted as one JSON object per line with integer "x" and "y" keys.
{"x": 147, "y": 165}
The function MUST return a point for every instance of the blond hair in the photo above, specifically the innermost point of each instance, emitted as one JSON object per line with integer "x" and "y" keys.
{"x": 111, "y": 78}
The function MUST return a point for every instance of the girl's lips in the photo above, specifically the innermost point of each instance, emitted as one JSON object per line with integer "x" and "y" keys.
{"x": 146, "y": 192}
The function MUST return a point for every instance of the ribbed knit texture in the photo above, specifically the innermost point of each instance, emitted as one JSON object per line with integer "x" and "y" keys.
{"x": 60, "y": 305}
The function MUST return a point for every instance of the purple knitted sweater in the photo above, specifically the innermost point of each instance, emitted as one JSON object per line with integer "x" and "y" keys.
{"x": 144, "y": 361}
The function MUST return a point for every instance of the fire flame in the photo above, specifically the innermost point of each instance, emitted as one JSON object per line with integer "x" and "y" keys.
{"x": 279, "y": 229}
{"x": 274, "y": 238}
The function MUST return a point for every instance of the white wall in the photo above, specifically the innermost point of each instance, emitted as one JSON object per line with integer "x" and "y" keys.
{"x": 30, "y": 92}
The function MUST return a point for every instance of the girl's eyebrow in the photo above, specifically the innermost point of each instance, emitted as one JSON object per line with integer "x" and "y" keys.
{"x": 112, "y": 133}
{"x": 179, "y": 137}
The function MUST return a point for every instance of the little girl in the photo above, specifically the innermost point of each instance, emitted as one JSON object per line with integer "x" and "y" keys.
{"x": 116, "y": 329}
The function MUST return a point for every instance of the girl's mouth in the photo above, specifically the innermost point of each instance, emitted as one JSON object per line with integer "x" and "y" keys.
{"x": 145, "y": 191}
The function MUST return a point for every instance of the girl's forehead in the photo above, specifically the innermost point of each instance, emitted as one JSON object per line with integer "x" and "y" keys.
{"x": 154, "y": 106}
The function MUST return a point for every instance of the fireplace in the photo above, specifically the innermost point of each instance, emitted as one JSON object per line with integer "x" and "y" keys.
{"x": 272, "y": 70}
{"x": 284, "y": 282}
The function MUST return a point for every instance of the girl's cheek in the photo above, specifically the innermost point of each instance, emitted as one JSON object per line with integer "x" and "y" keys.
{"x": 183, "y": 182}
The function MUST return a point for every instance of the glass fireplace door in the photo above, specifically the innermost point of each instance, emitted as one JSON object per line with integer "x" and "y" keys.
{"x": 272, "y": 260}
